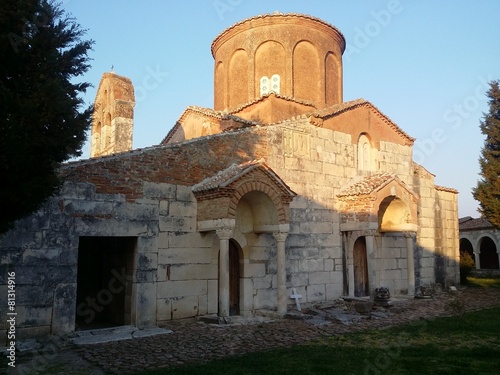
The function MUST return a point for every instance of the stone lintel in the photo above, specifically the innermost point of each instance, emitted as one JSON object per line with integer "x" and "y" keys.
{"x": 210, "y": 225}
{"x": 363, "y": 225}
{"x": 272, "y": 228}
{"x": 404, "y": 227}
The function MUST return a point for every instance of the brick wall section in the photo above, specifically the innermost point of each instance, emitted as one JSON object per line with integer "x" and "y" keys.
{"x": 181, "y": 164}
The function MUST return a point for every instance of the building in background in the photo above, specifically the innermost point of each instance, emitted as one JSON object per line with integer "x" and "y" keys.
{"x": 481, "y": 240}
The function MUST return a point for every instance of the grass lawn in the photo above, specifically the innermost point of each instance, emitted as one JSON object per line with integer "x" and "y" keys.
{"x": 483, "y": 282}
{"x": 469, "y": 344}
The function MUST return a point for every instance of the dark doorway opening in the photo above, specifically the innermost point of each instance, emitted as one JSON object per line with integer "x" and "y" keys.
{"x": 234, "y": 278}
{"x": 360, "y": 268}
{"x": 104, "y": 282}
{"x": 466, "y": 246}
{"x": 488, "y": 257}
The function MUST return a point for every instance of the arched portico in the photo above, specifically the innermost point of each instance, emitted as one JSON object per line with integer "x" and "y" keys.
{"x": 248, "y": 199}
{"x": 484, "y": 247}
{"x": 379, "y": 217}
{"x": 488, "y": 253}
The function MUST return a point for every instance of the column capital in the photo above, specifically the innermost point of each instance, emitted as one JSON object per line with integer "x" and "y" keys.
{"x": 369, "y": 232}
{"x": 280, "y": 236}
{"x": 224, "y": 233}
{"x": 410, "y": 234}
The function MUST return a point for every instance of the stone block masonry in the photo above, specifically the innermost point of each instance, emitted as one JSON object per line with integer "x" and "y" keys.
{"x": 278, "y": 187}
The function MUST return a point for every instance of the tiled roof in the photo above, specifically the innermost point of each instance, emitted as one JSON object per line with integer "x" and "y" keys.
{"x": 444, "y": 188}
{"x": 226, "y": 176}
{"x": 235, "y": 171}
{"x": 469, "y": 223}
{"x": 219, "y": 115}
{"x": 264, "y": 97}
{"x": 367, "y": 185}
{"x": 464, "y": 219}
{"x": 276, "y": 14}
{"x": 338, "y": 109}
{"x": 346, "y": 106}
{"x": 324, "y": 113}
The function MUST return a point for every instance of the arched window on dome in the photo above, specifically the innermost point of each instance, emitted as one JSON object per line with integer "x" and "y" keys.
{"x": 364, "y": 153}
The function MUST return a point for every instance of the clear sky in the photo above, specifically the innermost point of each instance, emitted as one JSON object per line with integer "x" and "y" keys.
{"x": 426, "y": 64}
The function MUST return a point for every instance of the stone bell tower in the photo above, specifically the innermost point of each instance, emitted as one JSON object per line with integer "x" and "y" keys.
{"x": 293, "y": 55}
{"x": 113, "y": 117}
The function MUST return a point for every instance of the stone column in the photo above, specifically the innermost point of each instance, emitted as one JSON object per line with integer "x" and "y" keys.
{"x": 281, "y": 272}
{"x": 371, "y": 262}
{"x": 410, "y": 237}
{"x": 224, "y": 235}
{"x": 477, "y": 259}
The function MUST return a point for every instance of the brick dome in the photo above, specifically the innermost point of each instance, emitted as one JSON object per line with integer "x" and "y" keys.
{"x": 293, "y": 55}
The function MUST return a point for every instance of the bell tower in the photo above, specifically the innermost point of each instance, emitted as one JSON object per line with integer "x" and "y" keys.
{"x": 113, "y": 117}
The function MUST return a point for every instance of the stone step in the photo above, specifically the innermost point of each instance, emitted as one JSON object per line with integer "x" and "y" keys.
{"x": 104, "y": 335}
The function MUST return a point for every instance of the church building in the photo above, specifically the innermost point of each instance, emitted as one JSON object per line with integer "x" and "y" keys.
{"x": 281, "y": 185}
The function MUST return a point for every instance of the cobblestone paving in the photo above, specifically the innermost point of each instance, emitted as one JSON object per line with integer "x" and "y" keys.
{"x": 198, "y": 342}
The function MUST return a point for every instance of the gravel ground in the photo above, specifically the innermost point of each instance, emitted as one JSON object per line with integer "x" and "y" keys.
{"x": 193, "y": 341}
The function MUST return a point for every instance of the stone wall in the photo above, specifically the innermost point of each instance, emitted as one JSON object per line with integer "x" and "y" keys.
{"x": 147, "y": 194}
{"x": 448, "y": 233}
{"x": 392, "y": 262}
{"x": 43, "y": 252}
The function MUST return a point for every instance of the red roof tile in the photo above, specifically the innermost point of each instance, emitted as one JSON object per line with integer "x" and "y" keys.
{"x": 367, "y": 185}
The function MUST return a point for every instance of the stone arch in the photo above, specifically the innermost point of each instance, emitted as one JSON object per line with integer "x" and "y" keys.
{"x": 306, "y": 72}
{"x": 394, "y": 215}
{"x": 333, "y": 79}
{"x": 238, "y": 78}
{"x": 466, "y": 246}
{"x": 266, "y": 191}
{"x": 106, "y": 138}
{"x": 98, "y": 137}
{"x": 364, "y": 154}
{"x": 488, "y": 252}
{"x": 270, "y": 59}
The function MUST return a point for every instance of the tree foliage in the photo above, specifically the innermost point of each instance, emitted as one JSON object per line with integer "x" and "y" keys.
{"x": 487, "y": 191}
{"x": 43, "y": 120}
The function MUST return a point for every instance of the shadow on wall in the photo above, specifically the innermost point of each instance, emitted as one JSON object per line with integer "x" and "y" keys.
{"x": 140, "y": 204}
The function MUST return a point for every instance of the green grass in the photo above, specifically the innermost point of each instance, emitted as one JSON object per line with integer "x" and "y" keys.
{"x": 483, "y": 282}
{"x": 469, "y": 344}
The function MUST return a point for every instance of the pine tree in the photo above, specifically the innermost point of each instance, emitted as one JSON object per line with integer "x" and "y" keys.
{"x": 487, "y": 191}
{"x": 43, "y": 121}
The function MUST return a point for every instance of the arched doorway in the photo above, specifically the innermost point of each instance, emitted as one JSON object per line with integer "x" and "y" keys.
{"x": 361, "y": 287}
{"x": 488, "y": 257}
{"x": 234, "y": 278}
{"x": 466, "y": 247}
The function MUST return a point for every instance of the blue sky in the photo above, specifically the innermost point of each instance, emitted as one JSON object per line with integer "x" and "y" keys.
{"x": 425, "y": 64}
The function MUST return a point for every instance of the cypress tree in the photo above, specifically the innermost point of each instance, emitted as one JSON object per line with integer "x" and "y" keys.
{"x": 43, "y": 121}
{"x": 487, "y": 191}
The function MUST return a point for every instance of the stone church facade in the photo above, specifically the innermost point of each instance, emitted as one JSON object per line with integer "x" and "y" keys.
{"x": 282, "y": 185}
